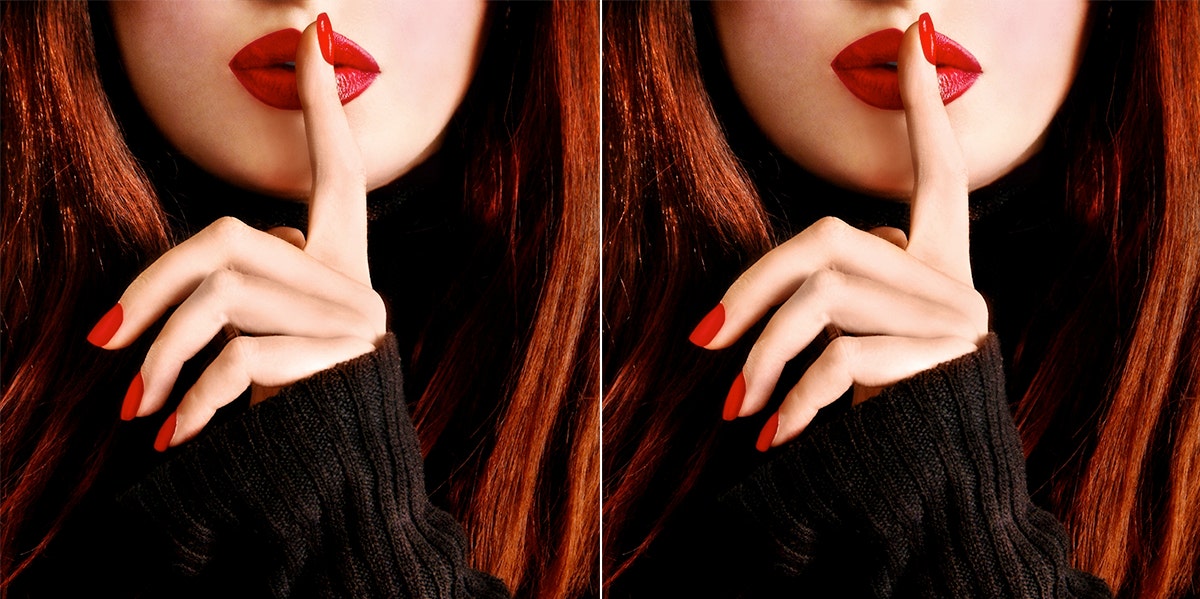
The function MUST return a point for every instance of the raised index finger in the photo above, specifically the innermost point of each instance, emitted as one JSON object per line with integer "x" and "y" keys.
{"x": 940, "y": 230}
{"x": 337, "y": 213}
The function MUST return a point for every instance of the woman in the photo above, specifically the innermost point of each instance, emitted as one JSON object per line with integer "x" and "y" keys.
{"x": 736, "y": 129}
{"x": 133, "y": 132}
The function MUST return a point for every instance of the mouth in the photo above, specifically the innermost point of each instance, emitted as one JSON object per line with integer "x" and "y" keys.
{"x": 266, "y": 67}
{"x": 867, "y": 67}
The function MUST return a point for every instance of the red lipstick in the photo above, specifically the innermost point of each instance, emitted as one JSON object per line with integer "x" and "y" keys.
{"x": 867, "y": 68}
{"x": 266, "y": 67}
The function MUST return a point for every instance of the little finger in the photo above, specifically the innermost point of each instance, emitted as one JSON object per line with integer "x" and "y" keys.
{"x": 251, "y": 305}
{"x": 266, "y": 361}
{"x": 867, "y": 361}
{"x": 852, "y": 305}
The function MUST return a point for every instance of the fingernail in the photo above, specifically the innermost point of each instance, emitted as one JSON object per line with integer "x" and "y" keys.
{"x": 709, "y": 327}
{"x": 165, "y": 434}
{"x": 925, "y": 26}
{"x": 104, "y": 330}
{"x": 733, "y": 401}
{"x": 325, "y": 37}
{"x": 768, "y": 433}
{"x": 133, "y": 398}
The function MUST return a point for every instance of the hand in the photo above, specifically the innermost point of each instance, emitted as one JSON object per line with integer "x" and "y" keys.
{"x": 307, "y": 301}
{"x": 910, "y": 301}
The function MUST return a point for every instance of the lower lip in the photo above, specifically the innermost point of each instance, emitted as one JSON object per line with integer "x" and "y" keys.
{"x": 879, "y": 86}
{"x": 275, "y": 86}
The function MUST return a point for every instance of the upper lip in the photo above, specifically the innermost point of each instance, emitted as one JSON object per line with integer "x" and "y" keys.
{"x": 882, "y": 49}
{"x": 278, "y": 50}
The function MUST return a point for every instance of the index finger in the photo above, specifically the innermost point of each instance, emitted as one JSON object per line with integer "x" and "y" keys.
{"x": 940, "y": 229}
{"x": 337, "y": 212}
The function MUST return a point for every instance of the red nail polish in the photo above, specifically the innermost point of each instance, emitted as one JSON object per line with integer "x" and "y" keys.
{"x": 325, "y": 37}
{"x": 107, "y": 327}
{"x": 733, "y": 401}
{"x": 133, "y": 398}
{"x": 768, "y": 433}
{"x": 709, "y": 327}
{"x": 165, "y": 434}
{"x": 925, "y": 26}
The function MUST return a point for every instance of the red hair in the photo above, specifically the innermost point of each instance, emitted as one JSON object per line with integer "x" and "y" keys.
{"x": 80, "y": 220}
{"x": 1128, "y": 489}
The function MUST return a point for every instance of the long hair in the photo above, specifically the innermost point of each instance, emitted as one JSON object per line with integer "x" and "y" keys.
{"x": 80, "y": 219}
{"x": 1129, "y": 484}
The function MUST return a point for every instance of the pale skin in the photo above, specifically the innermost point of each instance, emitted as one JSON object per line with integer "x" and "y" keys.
{"x": 907, "y": 303}
{"x": 306, "y": 297}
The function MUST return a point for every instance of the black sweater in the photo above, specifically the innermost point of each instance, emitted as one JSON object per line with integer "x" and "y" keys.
{"x": 319, "y": 491}
{"x": 920, "y": 491}
{"x": 917, "y": 492}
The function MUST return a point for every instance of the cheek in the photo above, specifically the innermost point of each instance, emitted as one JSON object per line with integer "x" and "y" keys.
{"x": 415, "y": 98}
{"x": 1033, "y": 54}
{"x": 778, "y": 58}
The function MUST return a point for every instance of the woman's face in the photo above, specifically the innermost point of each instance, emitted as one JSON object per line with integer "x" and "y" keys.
{"x": 829, "y": 104}
{"x": 236, "y": 118}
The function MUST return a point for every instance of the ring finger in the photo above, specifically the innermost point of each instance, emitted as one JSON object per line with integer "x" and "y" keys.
{"x": 250, "y": 304}
{"x": 853, "y": 305}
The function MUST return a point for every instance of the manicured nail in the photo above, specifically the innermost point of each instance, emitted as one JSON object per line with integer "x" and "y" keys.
{"x": 104, "y": 330}
{"x": 925, "y": 26}
{"x": 768, "y": 433}
{"x": 133, "y": 398}
{"x": 709, "y": 327}
{"x": 165, "y": 434}
{"x": 325, "y": 37}
{"x": 733, "y": 401}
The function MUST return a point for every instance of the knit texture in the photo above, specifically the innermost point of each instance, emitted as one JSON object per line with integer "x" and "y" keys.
{"x": 318, "y": 491}
{"x": 920, "y": 491}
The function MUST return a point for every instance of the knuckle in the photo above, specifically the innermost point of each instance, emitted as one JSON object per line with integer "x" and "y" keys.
{"x": 831, "y": 231}
{"x": 221, "y": 283}
{"x": 227, "y": 230}
{"x": 825, "y": 285}
{"x": 980, "y": 313}
{"x": 377, "y": 310}
{"x": 240, "y": 352}
{"x": 842, "y": 353}
{"x": 821, "y": 293}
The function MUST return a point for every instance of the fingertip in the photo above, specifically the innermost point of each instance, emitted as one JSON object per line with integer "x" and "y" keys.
{"x": 917, "y": 70}
{"x": 291, "y": 235}
{"x": 166, "y": 434}
{"x": 733, "y": 400}
{"x": 325, "y": 36}
{"x": 928, "y": 47}
{"x": 891, "y": 235}
{"x": 315, "y": 76}
{"x": 766, "y": 437}
{"x": 133, "y": 398}
{"x": 709, "y": 326}
{"x": 107, "y": 327}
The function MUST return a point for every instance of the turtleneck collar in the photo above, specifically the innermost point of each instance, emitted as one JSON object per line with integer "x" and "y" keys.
{"x": 195, "y": 198}
{"x": 796, "y": 198}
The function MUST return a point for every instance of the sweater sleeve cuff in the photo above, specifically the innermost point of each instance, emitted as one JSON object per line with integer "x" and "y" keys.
{"x": 927, "y": 477}
{"x": 325, "y": 481}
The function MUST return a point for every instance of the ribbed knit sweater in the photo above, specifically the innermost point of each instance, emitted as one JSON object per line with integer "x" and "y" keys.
{"x": 920, "y": 491}
{"x": 317, "y": 492}
{"x": 917, "y": 492}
